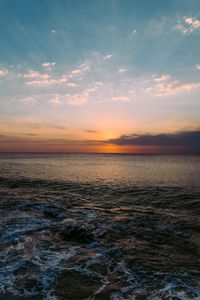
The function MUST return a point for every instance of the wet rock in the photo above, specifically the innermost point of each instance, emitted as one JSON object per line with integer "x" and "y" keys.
{"x": 49, "y": 213}
{"x": 81, "y": 233}
{"x": 52, "y": 211}
{"x": 99, "y": 268}
{"x": 74, "y": 285}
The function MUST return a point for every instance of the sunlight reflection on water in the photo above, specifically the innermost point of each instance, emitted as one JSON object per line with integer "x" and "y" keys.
{"x": 151, "y": 170}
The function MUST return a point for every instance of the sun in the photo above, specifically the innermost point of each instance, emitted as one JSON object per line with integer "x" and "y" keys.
{"x": 109, "y": 135}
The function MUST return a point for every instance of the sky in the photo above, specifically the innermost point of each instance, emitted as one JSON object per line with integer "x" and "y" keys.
{"x": 103, "y": 76}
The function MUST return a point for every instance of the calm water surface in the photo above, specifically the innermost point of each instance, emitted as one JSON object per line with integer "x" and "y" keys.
{"x": 106, "y": 169}
{"x": 99, "y": 227}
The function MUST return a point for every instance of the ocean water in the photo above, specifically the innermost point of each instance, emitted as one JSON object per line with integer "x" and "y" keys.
{"x": 99, "y": 226}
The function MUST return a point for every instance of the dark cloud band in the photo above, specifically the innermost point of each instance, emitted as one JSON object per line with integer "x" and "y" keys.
{"x": 189, "y": 140}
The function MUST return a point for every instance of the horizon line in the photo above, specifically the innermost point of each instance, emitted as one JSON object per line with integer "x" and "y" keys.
{"x": 95, "y": 153}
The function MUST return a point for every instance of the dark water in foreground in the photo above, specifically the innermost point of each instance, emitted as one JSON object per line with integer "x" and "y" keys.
{"x": 99, "y": 227}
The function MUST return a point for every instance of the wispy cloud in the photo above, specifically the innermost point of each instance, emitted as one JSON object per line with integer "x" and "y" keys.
{"x": 32, "y": 125}
{"x": 3, "y": 72}
{"x": 133, "y": 33}
{"x": 194, "y": 23}
{"x": 121, "y": 98}
{"x": 108, "y": 56}
{"x": 35, "y": 78}
{"x": 35, "y": 74}
{"x": 155, "y": 27}
{"x": 55, "y": 99}
{"x": 29, "y": 100}
{"x": 86, "y": 83}
{"x": 73, "y": 98}
{"x": 122, "y": 70}
{"x": 75, "y": 72}
{"x": 162, "y": 77}
{"x": 197, "y": 67}
{"x": 48, "y": 65}
{"x": 91, "y": 131}
{"x": 78, "y": 98}
{"x": 41, "y": 82}
{"x": 188, "y": 25}
{"x": 81, "y": 70}
{"x": 164, "y": 85}
{"x": 72, "y": 84}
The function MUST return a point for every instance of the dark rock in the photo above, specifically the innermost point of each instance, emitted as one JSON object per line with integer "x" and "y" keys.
{"x": 79, "y": 233}
{"x": 51, "y": 213}
{"x": 74, "y": 285}
{"x": 99, "y": 268}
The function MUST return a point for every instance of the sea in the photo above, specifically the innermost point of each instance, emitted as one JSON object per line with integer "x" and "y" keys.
{"x": 99, "y": 226}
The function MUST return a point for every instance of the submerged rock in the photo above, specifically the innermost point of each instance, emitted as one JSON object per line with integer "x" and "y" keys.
{"x": 81, "y": 233}
{"x": 51, "y": 213}
{"x": 74, "y": 285}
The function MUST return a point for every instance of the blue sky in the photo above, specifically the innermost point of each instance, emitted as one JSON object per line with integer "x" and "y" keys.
{"x": 93, "y": 70}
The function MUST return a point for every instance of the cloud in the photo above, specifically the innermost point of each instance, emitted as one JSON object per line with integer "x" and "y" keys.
{"x": 35, "y": 74}
{"x": 71, "y": 84}
{"x": 108, "y": 56}
{"x": 78, "y": 77}
{"x": 122, "y": 70}
{"x": 163, "y": 77}
{"x": 81, "y": 70}
{"x": 133, "y": 33}
{"x": 32, "y": 134}
{"x": 121, "y": 98}
{"x": 48, "y": 65}
{"x": 94, "y": 80}
{"x": 55, "y": 100}
{"x": 75, "y": 98}
{"x": 190, "y": 140}
{"x": 3, "y": 72}
{"x": 21, "y": 142}
{"x": 38, "y": 79}
{"x": 72, "y": 99}
{"x": 91, "y": 131}
{"x": 188, "y": 25}
{"x": 81, "y": 97}
{"x": 77, "y": 71}
{"x": 182, "y": 28}
{"x": 29, "y": 100}
{"x": 78, "y": 98}
{"x": 195, "y": 23}
{"x": 41, "y": 82}
{"x": 197, "y": 67}
{"x": 164, "y": 85}
{"x": 25, "y": 123}
{"x": 175, "y": 87}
